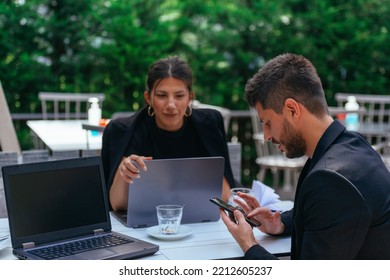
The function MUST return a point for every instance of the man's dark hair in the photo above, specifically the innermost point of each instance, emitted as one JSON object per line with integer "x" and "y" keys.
{"x": 287, "y": 76}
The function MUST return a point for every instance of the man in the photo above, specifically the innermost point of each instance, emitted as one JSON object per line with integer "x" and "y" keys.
{"x": 342, "y": 201}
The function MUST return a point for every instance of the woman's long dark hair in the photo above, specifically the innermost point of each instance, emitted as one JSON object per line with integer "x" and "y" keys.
{"x": 169, "y": 67}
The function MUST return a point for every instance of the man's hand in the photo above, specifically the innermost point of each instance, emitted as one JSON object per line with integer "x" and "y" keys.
{"x": 240, "y": 230}
{"x": 270, "y": 221}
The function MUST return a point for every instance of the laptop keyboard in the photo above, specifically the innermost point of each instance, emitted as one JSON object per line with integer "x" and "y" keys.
{"x": 79, "y": 246}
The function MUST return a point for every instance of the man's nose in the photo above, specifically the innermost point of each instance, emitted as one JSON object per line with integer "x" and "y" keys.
{"x": 267, "y": 134}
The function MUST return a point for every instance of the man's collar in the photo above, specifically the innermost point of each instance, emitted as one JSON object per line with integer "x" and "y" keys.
{"x": 329, "y": 136}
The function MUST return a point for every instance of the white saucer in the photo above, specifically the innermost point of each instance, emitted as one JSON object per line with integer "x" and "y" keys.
{"x": 184, "y": 231}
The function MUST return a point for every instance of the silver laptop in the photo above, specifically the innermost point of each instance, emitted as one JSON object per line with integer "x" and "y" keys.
{"x": 59, "y": 210}
{"x": 186, "y": 181}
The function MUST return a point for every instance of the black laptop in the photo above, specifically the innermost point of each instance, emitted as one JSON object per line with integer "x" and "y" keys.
{"x": 59, "y": 210}
{"x": 186, "y": 181}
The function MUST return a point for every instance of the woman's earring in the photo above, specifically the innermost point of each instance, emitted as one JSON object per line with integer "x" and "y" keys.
{"x": 150, "y": 111}
{"x": 188, "y": 111}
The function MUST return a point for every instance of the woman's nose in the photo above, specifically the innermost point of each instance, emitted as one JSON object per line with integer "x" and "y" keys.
{"x": 171, "y": 102}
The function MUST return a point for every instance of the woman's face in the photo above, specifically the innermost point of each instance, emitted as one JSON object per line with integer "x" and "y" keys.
{"x": 169, "y": 99}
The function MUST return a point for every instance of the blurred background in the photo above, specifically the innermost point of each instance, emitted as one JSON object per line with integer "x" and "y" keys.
{"x": 107, "y": 46}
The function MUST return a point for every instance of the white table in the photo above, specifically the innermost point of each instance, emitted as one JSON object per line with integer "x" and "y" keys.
{"x": 208, "y": 241}
{"x": 59, "y": 135}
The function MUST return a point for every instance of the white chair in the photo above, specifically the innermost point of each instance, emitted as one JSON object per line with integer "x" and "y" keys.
{"x": 56, "y": 155}
{"x": 67, "y": 105}
{"x": 122, "y": 114}
{"x": 3, "y": 207}
{"x": 383, "y": 150}
{"x": 226, "y": 113}
{"x": 30, "y": 156}
{"x": 6, "y": 158}
{"x": 8, "y": 138}
{"x": 374, "y": 121}
{"x": 270, "y": 158}
{"x": 235, "y": 159}
{"x": 377, "y": 107}
{"x": 90, "y": 153}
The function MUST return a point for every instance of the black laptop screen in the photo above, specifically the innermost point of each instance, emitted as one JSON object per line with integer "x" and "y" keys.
{"x": 56, "y": 200}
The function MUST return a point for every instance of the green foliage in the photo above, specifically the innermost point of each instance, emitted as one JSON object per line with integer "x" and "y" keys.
{"x": 107, "y": 45}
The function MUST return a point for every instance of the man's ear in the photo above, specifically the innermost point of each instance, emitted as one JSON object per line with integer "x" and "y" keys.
{"x": 291, "y": 108}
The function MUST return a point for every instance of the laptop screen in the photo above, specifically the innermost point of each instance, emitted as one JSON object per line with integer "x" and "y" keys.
{"x": 186, "y": 181}
{"x": 55, "y": 197}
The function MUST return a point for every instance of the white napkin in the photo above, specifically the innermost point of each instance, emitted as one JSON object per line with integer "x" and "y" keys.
{"x": 265, "y": 195}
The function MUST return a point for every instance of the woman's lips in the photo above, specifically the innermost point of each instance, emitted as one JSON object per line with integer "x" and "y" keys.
{"x": 170, "y": 115}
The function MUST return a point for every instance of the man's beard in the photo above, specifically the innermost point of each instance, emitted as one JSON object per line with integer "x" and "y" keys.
{"x": 293, "y": 142}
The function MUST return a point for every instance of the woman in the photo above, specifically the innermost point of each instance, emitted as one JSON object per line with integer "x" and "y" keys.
{"x": 166, "y": 128}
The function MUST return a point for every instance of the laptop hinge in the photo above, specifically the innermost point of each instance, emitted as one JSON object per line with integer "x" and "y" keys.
{"x": 97, "y": 231}
{"x": 28, "y": 245}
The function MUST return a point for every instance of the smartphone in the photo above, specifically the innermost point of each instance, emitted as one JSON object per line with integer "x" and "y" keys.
{"x": 230, "y": 209}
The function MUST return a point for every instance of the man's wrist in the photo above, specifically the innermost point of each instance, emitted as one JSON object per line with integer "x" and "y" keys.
{"x": 281, "y": 229}
{"x": 250, "y": 248}
{"x": 245, "y": 247}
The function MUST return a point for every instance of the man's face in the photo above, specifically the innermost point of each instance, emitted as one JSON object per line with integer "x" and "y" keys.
{"x": 277, "y": 129}
{"x": 292, "y": 141}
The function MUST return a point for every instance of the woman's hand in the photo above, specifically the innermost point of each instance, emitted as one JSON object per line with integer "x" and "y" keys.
{"x": 130, "y": 166}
